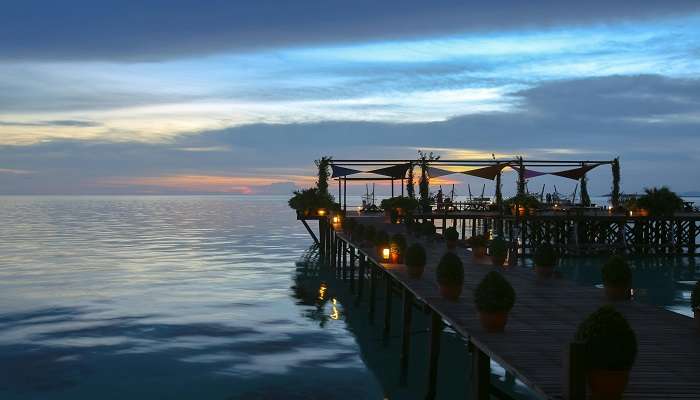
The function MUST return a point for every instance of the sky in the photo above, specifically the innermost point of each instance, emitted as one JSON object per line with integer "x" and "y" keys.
{"x": 177, "y": 97}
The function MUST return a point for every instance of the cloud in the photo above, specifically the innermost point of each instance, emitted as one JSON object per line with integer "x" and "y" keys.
{"x": 158, "y": 29}
{"x": 69, "y": 122}
{"x": 553, "y": 122}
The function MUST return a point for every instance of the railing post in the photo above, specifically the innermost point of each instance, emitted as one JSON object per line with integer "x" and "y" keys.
{"x": 345, "y": 260}
{"x": 481, "y": 374}
{"x": 372, "y": 290}
{"x": 574, "y": 370}
{"x": 435, "y": 331}
{"x": 353, "y": 257}
{"x": 406, "y": 334}
{"x": 387, "y": 305}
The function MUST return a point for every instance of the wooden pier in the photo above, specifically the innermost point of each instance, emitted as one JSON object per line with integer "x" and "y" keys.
{"x": 537, "y": 345}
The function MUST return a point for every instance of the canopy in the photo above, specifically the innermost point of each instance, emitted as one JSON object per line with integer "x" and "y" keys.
{"x": 436, "y": 172}
{"x": 487, "y": 172}
{"x": 529, "y": 173}
{"x": 394, "y": 171}
{"x": 342, "y": 171}
{"x": 575, "y": 173}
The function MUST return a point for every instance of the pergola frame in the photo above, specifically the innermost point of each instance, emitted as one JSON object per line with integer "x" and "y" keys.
{"x": 518, "y": 162}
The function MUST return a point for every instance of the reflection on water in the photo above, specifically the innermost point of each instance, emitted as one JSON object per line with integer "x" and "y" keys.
{"x": 208, "y": 297}
{"x": 163, "y": 297}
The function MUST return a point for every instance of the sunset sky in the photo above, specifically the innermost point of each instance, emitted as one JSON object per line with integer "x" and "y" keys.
{"x": 218, "y": 97}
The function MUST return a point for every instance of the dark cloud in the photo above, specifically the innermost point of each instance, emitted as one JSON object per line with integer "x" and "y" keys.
{"x": 63, "y": 122}
{"x": 156, "y": 29}
{"x": 567, "y": 119}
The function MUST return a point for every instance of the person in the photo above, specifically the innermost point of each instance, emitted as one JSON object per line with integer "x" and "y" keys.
{"x": 438, "y": 199}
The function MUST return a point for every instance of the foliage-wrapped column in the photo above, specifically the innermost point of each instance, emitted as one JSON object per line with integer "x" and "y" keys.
{"x": 615, "y": 193}
{"x": 585, "y": 198}
{"x": 521, "y": 177}
{"x": 410, "y": 188}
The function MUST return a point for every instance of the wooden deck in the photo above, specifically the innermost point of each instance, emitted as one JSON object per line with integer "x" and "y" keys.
{"x": 543, "y": 322}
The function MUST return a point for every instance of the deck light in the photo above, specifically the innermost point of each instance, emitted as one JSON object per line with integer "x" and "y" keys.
{"x": 336, "y": 219}
{"x": 321, "y": 212}
{"x": 386, "y": 254}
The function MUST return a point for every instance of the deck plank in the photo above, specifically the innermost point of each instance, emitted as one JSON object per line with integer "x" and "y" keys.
{"x": 544, "y": 321}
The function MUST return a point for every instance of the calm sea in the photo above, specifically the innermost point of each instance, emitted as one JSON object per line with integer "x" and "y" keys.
{"x": 207, "y": 298}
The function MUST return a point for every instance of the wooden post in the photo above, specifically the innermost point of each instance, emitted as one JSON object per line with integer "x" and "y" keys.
{"x": 481, "y": 374}
{"x": 334, "y": 247}
{"x": 353, "y": 257}
{"x": 387, "y": 304}
{"x": 691, "y": 237}
{"x": 361, "y": 278}
{"x": 574, "y": 370}
{"x": 435, "y": 331}
{"x": 372, "y": 290}
{"x": 345, "y": 260}
{"x": 406, "y": 334}
{"x": 321, "y": 237}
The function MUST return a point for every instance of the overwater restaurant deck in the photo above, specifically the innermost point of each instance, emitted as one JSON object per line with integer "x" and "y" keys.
{"x": 538, "y": 346}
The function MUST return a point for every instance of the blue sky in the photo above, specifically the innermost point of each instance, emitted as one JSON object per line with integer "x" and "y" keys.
{"x": 185, "y": 97}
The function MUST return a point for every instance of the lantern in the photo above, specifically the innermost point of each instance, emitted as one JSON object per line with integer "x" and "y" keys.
{"x": 336, "y": 219}
{"x": 321, "y": 212}
{"x": 386, "y": 254}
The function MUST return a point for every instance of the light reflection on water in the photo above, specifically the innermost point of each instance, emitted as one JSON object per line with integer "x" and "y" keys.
{"x": 163, "y": 297}
{"x": 205, "y": 297}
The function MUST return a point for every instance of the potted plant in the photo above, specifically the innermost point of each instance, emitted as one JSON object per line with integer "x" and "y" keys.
{"x": 398, "y": 247}
{"x": 451, "y": 237}
{"x": 545, "y": 258}
{"x": 494, "y": 298}
{"x": 659, "y": 202}
{"x": 478, "y": 243}
{"x": 415, "y": 260}
{"x": 695, "y": 303}
{"x": 450, "y": 276}
{"x": 617, "y": 278}
{"x": 427, "y": 229}
{"x": 610, "y": 351}
{"x": 522, "y": 204}
{"x": 307, "y": 202}
{"x": 498, "y": 250}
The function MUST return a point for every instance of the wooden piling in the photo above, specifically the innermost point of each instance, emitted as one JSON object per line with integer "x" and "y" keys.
{"x": 388, "y": 294}
{"x": 481, "y": 374}
{"x": 406, "y": 334}
{"x": 434, "y": 354}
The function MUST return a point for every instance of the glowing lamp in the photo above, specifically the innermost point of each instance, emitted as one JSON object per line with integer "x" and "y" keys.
{"x": 321, "y": 212}
{"x": 336, "y": 219}
{"x": 386, "y": 254}
{"x": 631, "y": 213}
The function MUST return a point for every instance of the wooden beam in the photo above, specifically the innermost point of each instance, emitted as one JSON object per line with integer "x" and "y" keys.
{"x": 308, "y": 229}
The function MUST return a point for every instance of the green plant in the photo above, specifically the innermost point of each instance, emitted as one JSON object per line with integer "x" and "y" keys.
{"x": 494, "y": 294}
{"x": 660, "y": 201}
{"x": 323, "y": 165}
{"x": 524, "y": 200}
{"x": 498, "y": 248}
{"x": 312, "y": 199}
{"x": 478, "y": 241}
{"x": 404, "y": 203}
{"x": 399, "y": 241}
{"x": 381, "y": 239}
{"x": 610, "y": 342}
{"x": 415, "y": 255}
{"x": 615, "y": 191}
{"x": 695, "y": 297}
{"x": 410, "y": 188}
{"x": 370, "y": 233}
{"x": 424, "y": 181}
{"x": 451, "y": 234}
{"x": 427, "y": 229}
{"x": 545, "y": 255}
{"x": 450, "y": 270}
{"x": 616, "y": 272}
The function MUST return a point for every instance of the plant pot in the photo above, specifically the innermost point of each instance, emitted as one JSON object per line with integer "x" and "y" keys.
{"x": 451, "y": 245}
{"x": 498, "y": 261}
{"x": 479, "y": 252}
{"x": 607, "y": 384}
{"x": 617, "y": 293}
{"x": 493, "y": 321}
{"x": 543, "y": 271}
{"x": 415, "y": 271}
{"x": 450, "y": 291}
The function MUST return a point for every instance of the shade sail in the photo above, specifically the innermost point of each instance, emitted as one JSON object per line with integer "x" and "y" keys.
{"x": 436, "y": 172}
{"x": 487, "y": 172}
{"x": 575, "y": 173}
{"x": 394, "y": 171}
{"x": 342, "y": 171}
{"x": 529, "y": 173}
